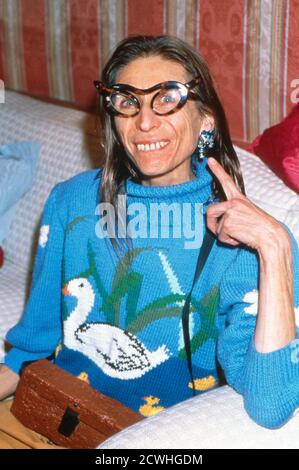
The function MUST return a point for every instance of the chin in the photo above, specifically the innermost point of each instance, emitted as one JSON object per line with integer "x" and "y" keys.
{"x": 153, "y": 172}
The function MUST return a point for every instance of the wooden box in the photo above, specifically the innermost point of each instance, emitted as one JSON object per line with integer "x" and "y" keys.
{"x": 67, "y": 410}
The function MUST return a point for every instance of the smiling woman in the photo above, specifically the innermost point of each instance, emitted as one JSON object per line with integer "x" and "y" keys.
{"x": 152, "y": 321}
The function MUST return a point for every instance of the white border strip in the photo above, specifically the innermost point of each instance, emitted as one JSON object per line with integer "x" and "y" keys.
{"x": 180, "y": 19}
{"x": 244, "y": 91}
{"x": 265, "y": 50}
{"x": 12, "y": 44}
{"x": 58, "y": 58}
{"x": 286, "y": 88}
{"x": 197, "y": 24}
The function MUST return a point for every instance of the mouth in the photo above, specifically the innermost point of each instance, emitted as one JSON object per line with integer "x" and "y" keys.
{"x": 152, "y": 146}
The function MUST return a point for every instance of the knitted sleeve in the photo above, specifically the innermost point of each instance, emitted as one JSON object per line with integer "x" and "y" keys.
{"x": 39, "y": 330}
{"x": 269, "y": 382}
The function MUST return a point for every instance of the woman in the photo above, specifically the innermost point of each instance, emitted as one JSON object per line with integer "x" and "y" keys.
{"x": 122, "y": 291}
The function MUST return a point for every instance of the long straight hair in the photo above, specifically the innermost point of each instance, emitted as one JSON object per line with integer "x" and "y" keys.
{"x": 117, "y": 165}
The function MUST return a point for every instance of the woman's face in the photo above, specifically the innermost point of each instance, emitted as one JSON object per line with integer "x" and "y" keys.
{"x": 171, "y": 164}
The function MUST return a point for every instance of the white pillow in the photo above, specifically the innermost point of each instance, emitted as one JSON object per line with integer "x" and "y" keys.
{"x": 269, "y": 192}
{"x": 213, "y": 420}
{"x": 66, "y": 149}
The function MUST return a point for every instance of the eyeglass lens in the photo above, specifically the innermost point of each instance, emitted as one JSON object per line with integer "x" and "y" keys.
{"x": 162, "y": 103}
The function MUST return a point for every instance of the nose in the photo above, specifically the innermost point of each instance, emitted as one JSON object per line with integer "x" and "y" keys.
{"x": 146, "y": 118}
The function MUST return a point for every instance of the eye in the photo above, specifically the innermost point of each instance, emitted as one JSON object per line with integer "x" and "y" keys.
{"x": 166, "y": 99}
{"x": 81, "y": 285}
{"x": 127, "y": 103}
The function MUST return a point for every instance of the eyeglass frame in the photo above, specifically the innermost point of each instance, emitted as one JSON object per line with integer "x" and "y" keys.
{"x": 123, "y": 88}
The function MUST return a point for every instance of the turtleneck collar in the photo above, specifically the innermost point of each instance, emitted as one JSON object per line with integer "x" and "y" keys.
{"x": 201, "y": 185}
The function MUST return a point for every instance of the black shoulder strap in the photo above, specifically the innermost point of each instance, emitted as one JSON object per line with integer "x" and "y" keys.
{"x": 204, "y": 252}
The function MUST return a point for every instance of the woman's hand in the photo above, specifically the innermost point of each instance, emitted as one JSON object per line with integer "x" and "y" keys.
{"x": 238, "y": 220}
{"x": 8, "y": 381}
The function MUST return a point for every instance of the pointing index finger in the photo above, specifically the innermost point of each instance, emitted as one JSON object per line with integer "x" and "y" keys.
{"x": 229, "y": 186}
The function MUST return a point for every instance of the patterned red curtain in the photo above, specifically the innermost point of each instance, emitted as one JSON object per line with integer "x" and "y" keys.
{"x": 55, "y": 48}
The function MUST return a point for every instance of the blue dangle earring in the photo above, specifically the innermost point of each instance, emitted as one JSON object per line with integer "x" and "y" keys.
{"x": 206, "y": 141}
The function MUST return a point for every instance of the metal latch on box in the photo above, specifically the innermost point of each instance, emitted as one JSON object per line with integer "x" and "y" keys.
{"x": 69, "y": 422}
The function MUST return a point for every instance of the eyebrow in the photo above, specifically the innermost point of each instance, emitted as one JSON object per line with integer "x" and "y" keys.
{"x": 141, "y": 91}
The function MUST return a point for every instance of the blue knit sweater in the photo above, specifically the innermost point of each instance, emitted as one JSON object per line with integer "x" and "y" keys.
{"x": 116, "y": 322}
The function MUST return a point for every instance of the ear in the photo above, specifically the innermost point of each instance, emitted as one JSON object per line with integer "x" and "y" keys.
{"x": 208, "y": 123}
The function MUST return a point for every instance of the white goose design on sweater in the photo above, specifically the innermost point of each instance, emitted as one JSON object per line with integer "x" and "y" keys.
{"x": 116, "y": 352}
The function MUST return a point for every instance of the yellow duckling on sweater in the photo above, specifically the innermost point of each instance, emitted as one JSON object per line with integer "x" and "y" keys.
{"x": 204, "y": 384}
{"x": 58, "y": 349}
{"x": 150, "y": 408}
{"x": 84, "y": 376}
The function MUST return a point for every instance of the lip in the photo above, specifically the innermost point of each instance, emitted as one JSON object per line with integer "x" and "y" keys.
{"x": 144, "y": 142}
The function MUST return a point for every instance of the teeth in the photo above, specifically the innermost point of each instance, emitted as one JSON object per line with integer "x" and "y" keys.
{"x": 153, "y": 146}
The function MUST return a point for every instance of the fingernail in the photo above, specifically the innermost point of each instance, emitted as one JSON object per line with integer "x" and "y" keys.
{"x": 212, "y": 161}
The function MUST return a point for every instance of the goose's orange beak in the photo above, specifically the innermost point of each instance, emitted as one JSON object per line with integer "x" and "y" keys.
{"x": 65, "y": 291}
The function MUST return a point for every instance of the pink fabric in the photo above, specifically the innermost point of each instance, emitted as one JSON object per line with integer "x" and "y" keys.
{"x": 56, "y": 49}
{"x": 278, "y": 147}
